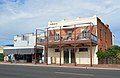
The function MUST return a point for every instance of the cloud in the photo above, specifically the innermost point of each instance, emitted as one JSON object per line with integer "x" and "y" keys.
{"x": 62, "y": 8}
{"x": 13, "y": 1}
{"x": 23, "y": 15}
{"x": 17, "y": 14}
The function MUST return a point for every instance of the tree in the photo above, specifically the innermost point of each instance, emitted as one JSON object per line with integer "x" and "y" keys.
{"x": 100, "y": 54}
{"x": 112, "y": 51}
{"x": 118, "y": 55}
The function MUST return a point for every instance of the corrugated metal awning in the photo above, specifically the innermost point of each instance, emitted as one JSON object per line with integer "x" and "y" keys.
{"x": 18, "y": 51}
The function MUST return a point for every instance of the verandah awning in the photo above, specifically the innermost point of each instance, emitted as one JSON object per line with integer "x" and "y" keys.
{"x": 19, "y": 51}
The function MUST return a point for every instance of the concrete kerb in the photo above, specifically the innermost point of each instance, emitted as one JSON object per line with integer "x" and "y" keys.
{"x": 43, "y": 65}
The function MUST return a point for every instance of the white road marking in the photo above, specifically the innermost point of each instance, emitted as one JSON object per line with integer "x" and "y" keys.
{"x": 74, "y": 73}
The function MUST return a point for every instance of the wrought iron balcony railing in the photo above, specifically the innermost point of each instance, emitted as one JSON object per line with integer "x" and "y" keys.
{"x": 79, "y": 36}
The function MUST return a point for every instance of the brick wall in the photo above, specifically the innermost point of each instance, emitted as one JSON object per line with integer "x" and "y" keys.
{"x": 104, "y": 35}
{"x": 78, "y": 31}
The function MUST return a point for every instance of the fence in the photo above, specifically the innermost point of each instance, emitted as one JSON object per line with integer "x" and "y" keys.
{"x": 109, "y": 61}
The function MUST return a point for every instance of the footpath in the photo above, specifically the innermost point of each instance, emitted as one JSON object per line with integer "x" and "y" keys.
{"x": 85, "y": 66}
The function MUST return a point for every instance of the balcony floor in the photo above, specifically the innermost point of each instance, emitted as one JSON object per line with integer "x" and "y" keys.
{"x": 68, "y": 42}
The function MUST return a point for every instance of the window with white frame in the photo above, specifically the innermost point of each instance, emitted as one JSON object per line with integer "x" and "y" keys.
{"x": 69, "y": 33}
{"x": 57, "y": 36}
{"x": 57, "y": 50}
{"x": 84, "y": 33}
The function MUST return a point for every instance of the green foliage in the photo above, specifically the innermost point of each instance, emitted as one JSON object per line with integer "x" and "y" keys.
{"x": 100, "y": 54}
{"x": 1, "y": 57}
{"x": 112, "y": 51}
{"x": 118, "y": 55}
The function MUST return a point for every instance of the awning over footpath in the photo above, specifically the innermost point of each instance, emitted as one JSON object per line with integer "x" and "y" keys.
{"x": 18, "y": 50}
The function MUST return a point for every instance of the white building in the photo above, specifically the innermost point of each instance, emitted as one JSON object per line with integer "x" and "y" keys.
{"x": 24, "y": 49}
{"x": 24, "y": 40}
{"x": 113, "y": 39}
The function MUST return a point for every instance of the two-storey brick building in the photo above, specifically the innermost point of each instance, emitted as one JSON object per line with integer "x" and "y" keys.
{"x": 75, "y": 41}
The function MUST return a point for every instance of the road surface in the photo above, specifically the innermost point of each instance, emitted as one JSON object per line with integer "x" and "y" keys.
{"x": 21, "y": 71}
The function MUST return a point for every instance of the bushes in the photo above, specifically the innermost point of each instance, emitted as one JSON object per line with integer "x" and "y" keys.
{"x": 118, "y": 55}
{"x": 100, "y": 54}
{"x": 111, "y": 53}
{"x": 1, "y": 57}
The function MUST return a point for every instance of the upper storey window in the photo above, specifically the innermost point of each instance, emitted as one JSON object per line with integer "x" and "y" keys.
{"x": 84, "y": 33}
{"x": 69, "y": 34}
{"x": 57, "y": 36}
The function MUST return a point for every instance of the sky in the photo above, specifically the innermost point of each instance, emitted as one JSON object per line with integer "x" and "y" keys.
{"x": 24, "y": 16}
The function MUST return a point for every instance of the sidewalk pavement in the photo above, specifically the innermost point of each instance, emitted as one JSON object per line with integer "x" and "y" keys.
{"x": 85, "y": 66}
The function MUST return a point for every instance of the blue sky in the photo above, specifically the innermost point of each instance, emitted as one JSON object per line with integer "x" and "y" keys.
{"x": 23, "y": 16}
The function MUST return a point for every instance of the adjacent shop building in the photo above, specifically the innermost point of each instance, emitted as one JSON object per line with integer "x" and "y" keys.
{"x": 24, "y": 49}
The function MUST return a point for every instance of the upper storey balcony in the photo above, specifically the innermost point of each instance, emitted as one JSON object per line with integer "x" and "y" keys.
{"x": 68, "y": 39}
{"x": 69, "y": 36}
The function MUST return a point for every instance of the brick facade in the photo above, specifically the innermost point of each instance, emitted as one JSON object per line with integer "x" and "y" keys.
{"x": 82, "y": 37}
{"x": 104, "y": 35}
{"x": 102, "y": 32}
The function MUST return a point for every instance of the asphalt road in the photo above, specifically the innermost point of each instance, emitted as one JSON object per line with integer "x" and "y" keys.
{"x": 17, "y": 71}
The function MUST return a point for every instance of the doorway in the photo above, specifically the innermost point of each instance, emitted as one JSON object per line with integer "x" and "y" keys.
{"x": 68, "y": 55}
{"x": 72, "y": 55}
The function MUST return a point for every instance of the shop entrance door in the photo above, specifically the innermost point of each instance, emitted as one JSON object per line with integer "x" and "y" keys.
{"x": 69, "y": 55}
{"x": 72, "y": 55}
{"x": 66, "y": 55}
